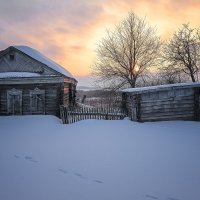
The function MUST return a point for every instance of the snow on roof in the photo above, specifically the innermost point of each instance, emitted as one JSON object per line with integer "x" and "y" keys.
{"x": 43, "y": 59}
{"x": 160, "y": 87}
{"x": 17, "y": 74}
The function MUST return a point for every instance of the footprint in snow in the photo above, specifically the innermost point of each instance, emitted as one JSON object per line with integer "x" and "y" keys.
{"x": 97, "y": 181}
{"x": 29, "y": 158}
{"x": 63, "y": 171}
{"x": 80, "y": 176}
{"x": 16, "y": 156}
{"x": 151, "y": 197}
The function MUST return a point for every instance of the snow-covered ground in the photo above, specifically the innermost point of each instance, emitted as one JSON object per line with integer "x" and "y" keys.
{"x": 42, "y": 159}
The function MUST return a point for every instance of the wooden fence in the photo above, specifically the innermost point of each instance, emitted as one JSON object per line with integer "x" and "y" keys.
{"x": 71, "y": 115}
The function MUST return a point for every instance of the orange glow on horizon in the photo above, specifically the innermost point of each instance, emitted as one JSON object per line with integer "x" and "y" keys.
{"x": 71, "y": 39}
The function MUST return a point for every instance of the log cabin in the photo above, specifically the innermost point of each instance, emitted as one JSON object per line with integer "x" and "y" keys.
{"x": 179, "y": 101}
{"x": 31, "y": 83}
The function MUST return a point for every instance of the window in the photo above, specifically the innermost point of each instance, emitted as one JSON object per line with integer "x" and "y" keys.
{"x": 14, "y": 102}
{"x": 12, "y": 57}
{"x": 37, "y": 101}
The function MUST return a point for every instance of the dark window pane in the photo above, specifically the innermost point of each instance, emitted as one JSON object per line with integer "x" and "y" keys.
{"x": 12, "y": 57}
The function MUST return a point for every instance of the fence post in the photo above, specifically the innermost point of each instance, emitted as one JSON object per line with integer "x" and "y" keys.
{"x": 138, "y": 107}
{"x": 106, "y": 113}
{"x": 66, "y": 116}
{"x": 196, "y": 104}
{"x": 61, "y": 113}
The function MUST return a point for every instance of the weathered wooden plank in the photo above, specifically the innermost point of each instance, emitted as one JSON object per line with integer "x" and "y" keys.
{"x": 169, "y": 99}
{"x": 168, "y": 118}
{"x": 132, "y": 100}
{"x": 30, "y": 80}
{"x": 173, "y": 113}
{"x": 197, "y": 104}
{"x": 167, "y": 109}
{"x": 156, "y": 103}
{"x": 189, "y": 104}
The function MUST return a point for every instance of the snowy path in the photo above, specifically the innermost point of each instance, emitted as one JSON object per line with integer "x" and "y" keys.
{"x": 98, "y": 160}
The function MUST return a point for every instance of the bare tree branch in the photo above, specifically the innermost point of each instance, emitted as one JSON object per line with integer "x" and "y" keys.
{"x": 182, "y": 52}
{"x": 127, "y": 52}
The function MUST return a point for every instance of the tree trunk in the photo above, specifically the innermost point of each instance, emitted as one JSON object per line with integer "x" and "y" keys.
{"x": 190, "y": 68}
{"x": 132, "y": 83}
{"x": 192, "y": 76}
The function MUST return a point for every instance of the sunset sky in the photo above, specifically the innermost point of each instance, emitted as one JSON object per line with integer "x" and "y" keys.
{"x": 67, "y": 31}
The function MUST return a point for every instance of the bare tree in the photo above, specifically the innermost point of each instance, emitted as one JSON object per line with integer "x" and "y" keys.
{"x": 126, "y": 52}
{"x": 169, "y": 76}
{"x": 182, "y": 53}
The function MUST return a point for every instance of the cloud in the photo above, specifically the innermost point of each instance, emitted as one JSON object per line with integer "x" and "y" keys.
{"x": 76, "y": 13}
{"x": 14, "y": 11}
{"x": 68, "y": 30}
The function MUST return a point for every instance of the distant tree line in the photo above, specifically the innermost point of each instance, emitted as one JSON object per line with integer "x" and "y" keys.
{"x": 99, "y": 98}
{"x": 133, "y": 55}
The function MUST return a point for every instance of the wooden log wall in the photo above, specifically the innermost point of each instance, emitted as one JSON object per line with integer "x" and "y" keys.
{"x": 66, "y": 94}
{"x": 52, "y": 98}
{"x": 69, "y": 94}
{"x": 171, "y": 104}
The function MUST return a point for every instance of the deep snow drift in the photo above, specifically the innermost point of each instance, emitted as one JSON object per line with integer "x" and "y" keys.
{"x": 42, "y": 159}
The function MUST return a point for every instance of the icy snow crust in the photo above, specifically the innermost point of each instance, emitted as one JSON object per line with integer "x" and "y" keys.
{"x": 42, "y": 159}
{"x": 43, "y": 59}
{"x": 17, "y": 74}
{"x": 161, "y": 87}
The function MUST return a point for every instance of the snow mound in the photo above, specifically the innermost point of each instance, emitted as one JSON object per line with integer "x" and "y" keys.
{"x": 42, "y": 159}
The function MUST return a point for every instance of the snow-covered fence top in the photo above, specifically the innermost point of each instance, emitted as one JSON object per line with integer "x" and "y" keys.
{"x": 164, "y": 102}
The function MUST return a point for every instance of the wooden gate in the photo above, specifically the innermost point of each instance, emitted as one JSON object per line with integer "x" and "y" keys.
{"x": 14, "y": 102}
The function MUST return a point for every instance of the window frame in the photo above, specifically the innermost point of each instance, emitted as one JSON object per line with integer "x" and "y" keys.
{"x": 36, "y": 93}
{"x": 12, "y": 57}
